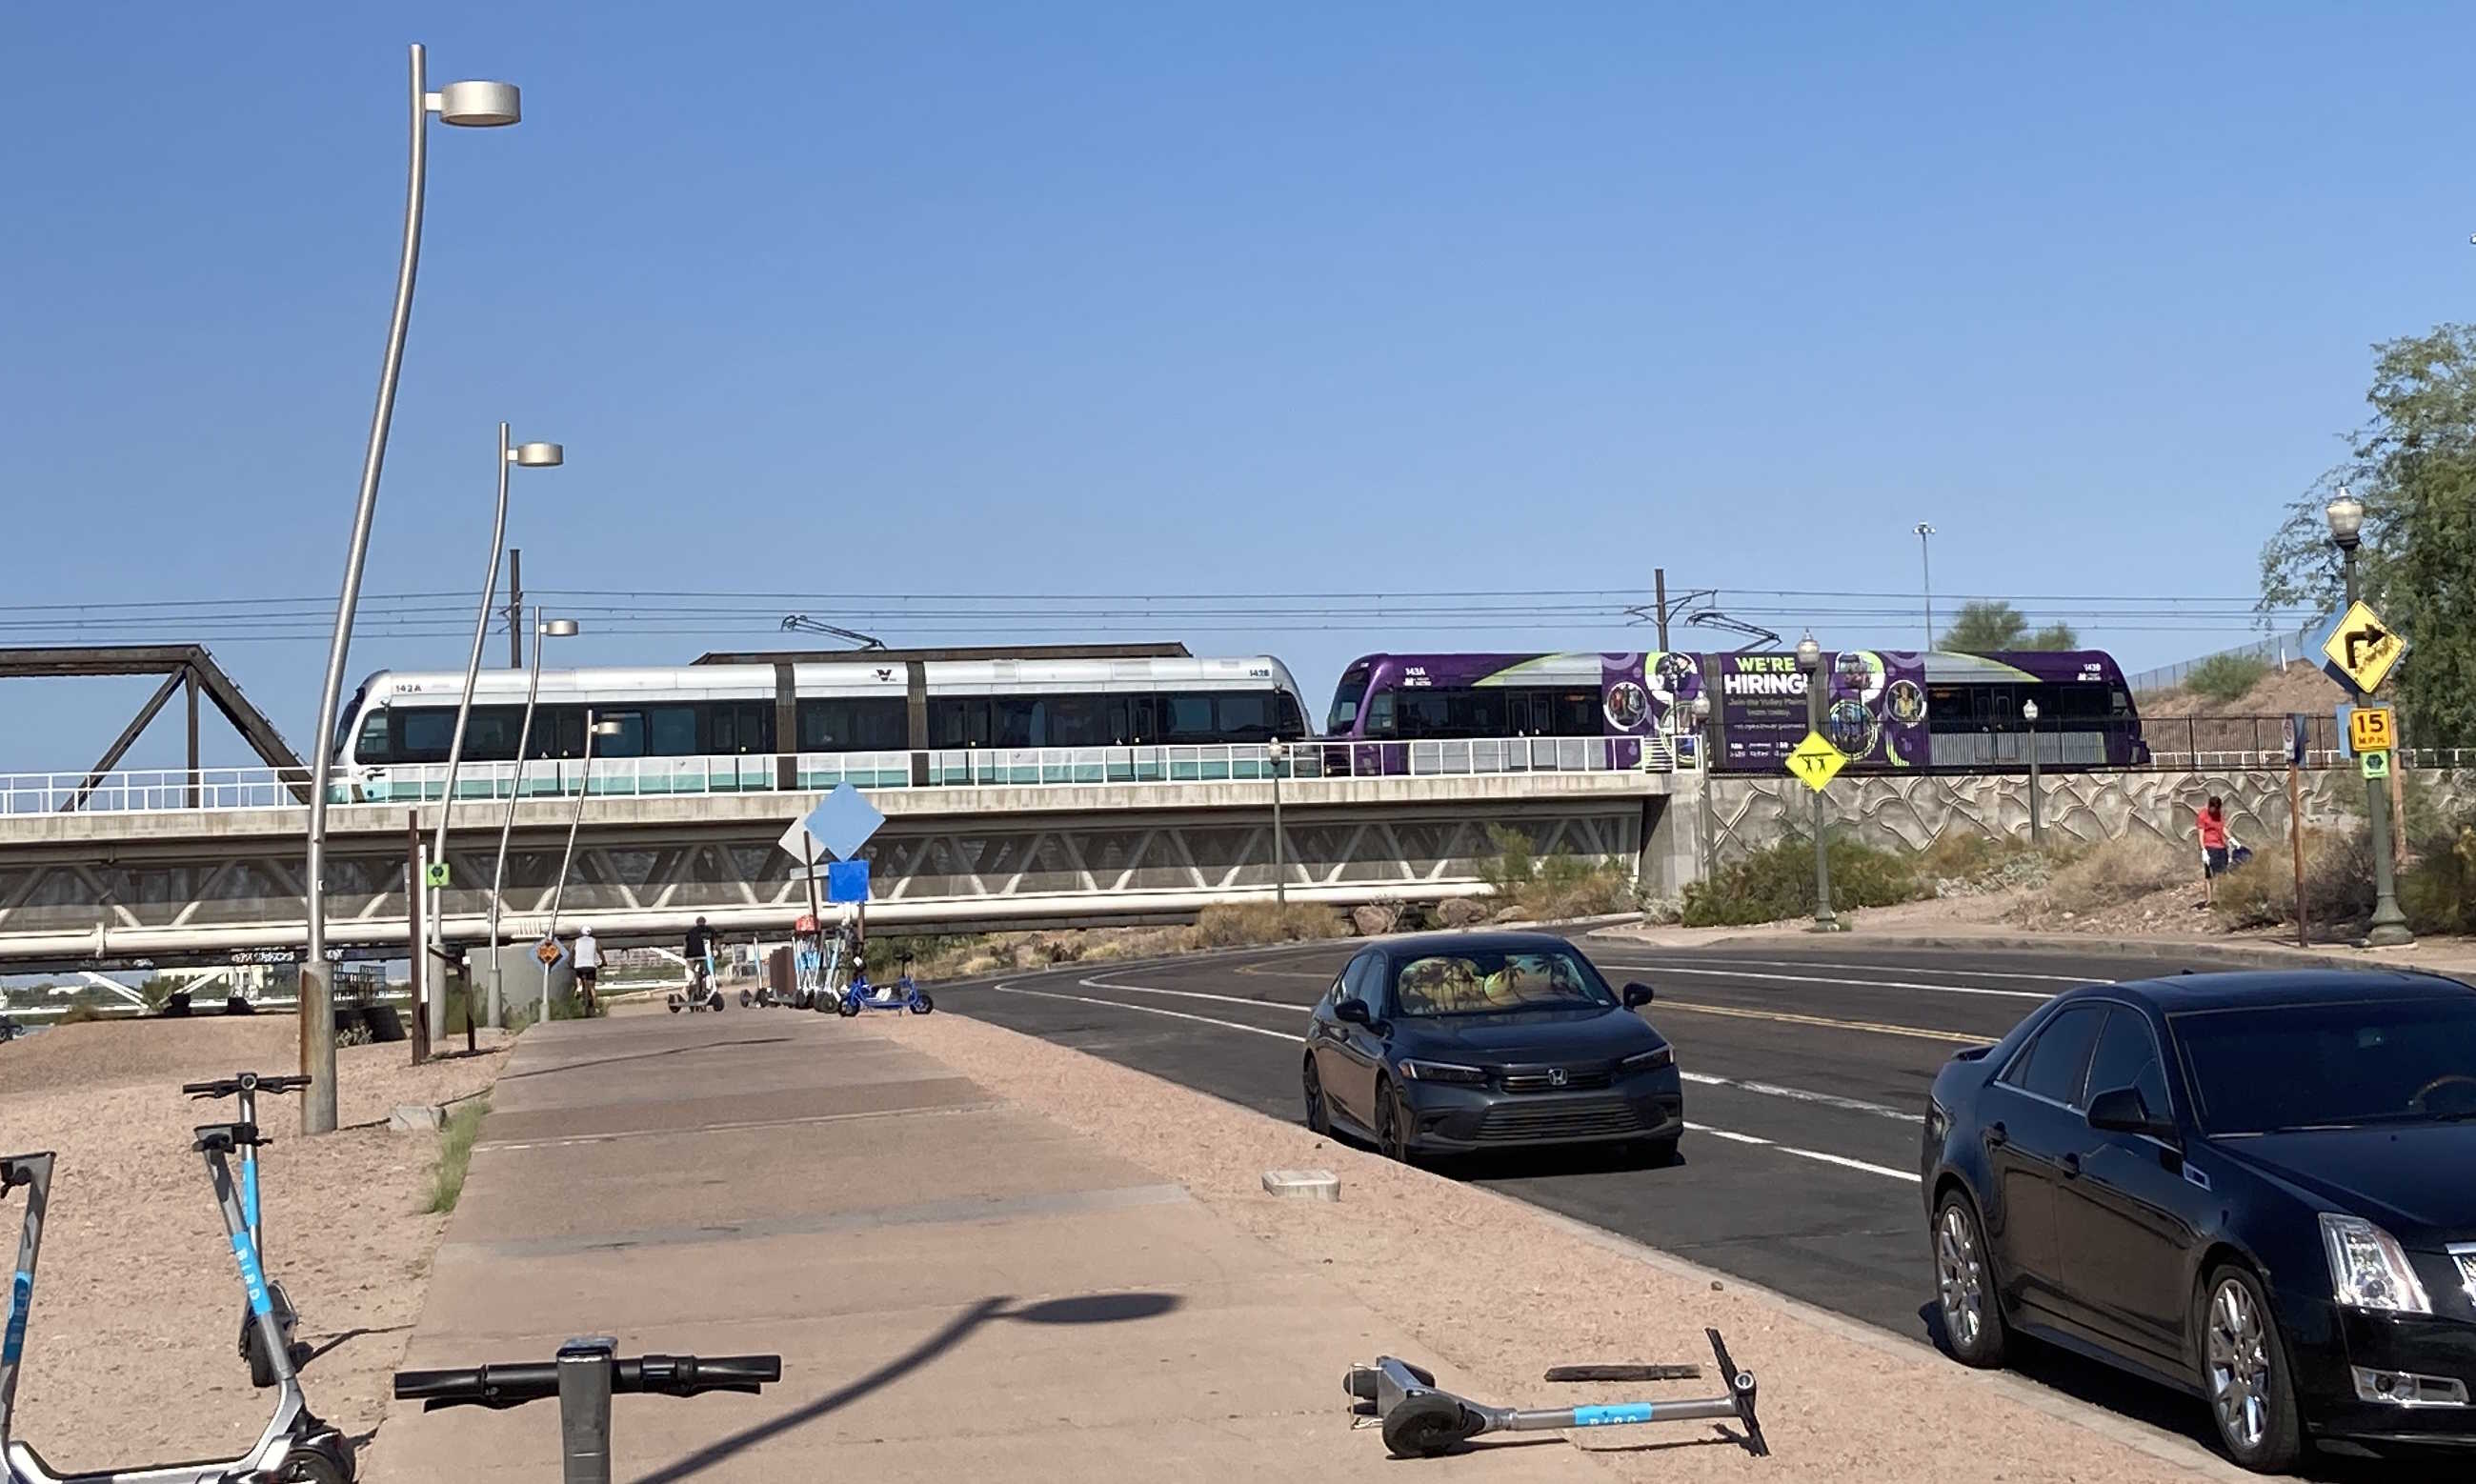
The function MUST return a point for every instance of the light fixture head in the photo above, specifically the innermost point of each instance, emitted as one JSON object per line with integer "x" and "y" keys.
{"x": 537, "y": 455}
{"x": 477, "y": 105}
{"x": 2346, "y": 516}
{"x": 559, "y": 628}
{"x": 1808, "y": 655}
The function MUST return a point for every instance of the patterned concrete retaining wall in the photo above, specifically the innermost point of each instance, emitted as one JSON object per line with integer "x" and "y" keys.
{"x": 1913, "y": 812}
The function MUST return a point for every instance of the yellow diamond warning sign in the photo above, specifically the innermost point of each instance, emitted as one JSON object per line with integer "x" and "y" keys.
{"x": 2360, "y": 649}
{"x": 1817, "y": 761}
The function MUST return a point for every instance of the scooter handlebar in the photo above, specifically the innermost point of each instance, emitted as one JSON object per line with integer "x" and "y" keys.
{"x": 246, "y": 1081}
{"x": 514, "y": 1384}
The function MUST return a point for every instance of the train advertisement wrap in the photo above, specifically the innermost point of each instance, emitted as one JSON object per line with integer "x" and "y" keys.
{"x": 1874, "y": 708}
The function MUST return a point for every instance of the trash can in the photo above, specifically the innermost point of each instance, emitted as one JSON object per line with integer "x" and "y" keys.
{"x": 781, "y": 976}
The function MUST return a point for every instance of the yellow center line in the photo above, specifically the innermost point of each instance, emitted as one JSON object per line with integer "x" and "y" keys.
{"x": 1919, "y": 1033}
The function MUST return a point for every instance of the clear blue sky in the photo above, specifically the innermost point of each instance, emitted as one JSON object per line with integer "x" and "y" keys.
{"x": 1154, "y": 298}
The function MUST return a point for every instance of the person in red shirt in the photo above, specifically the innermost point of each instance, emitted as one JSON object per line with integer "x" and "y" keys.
{"x": 2212, "y": 817}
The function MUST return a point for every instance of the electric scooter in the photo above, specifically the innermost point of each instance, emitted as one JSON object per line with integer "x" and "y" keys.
{"x": 295, "y": 1448}
{"x": 1421, "y": 1419}
{"x": 584, "y": 1378}
{"x": 246, "y": 1086}
{"x": 901, "y": 995}
{"x": 701, "y": 995}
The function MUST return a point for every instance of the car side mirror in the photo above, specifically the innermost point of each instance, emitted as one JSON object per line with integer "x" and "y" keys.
{"x": 2123, "y": 1110}
{"x": 1636, "y": 996}
{"x": 1354, "y": 1011}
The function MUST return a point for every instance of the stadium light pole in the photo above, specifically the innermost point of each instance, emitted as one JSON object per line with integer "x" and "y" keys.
{"x": 553, "y": 628}
{"x": 467, "y": 104}
{"x": 529, "y": 455}
{"x": 2388, "y": 927}
{"x": 1925, "y": 573}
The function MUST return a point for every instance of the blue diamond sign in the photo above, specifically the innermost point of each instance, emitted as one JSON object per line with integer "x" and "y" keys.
{"x": 841, "y": 823}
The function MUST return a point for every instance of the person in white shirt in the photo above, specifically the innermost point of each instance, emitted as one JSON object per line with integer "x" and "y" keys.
{"x": 587, "y": 959}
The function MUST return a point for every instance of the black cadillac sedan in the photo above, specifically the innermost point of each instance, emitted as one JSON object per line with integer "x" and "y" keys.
{"x": 2256, "y": 1187}
{"x": 1458, "y": 1042}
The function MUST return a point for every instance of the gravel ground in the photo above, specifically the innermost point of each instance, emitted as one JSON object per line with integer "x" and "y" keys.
{"x": 1501, "y": 1289}
{"x": 130, "y": 1353}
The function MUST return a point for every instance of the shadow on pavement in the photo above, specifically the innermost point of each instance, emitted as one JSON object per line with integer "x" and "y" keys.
{"x": 1088, "y": 1309}
{"x": 612, "y": 1061}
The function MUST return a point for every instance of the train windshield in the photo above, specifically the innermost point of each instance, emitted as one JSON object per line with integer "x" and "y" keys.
{"x": 1344, "y": 702}
{"x": 344, "y": 719}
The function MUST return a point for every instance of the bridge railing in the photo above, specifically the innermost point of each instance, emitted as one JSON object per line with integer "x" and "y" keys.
{"x": 241, "y": 789}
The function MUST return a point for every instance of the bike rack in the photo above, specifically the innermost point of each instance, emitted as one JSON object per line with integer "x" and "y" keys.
{"x": 1421, "y": 1420}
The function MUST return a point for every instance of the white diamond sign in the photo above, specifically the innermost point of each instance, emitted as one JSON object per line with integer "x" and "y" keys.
{"x": 841, "y": 823}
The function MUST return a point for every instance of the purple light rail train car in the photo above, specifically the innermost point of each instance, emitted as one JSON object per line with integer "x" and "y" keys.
{"x": 1887, "y": 708}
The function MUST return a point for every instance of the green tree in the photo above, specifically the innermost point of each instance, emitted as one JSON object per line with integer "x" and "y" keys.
{"x": 2413, "y": 465}
{"x": 1987, "y": 625}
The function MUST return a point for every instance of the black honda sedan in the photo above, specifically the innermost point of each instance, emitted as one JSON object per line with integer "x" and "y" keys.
{"x": 1458, "y": 1042}
{"x": 2257, "y": 1187}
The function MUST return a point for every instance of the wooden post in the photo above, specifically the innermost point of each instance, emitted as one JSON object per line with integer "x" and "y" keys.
{"x": 2295, "y": 838}
{"x": 417, "y": 954}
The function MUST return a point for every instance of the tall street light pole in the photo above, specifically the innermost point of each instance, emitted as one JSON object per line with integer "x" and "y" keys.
{"x": 530, "y": 455}
{"x": 543, "y": 630}
{"x": 2029, "y": 715}
{"x": 2388, "y": 927}
{"x": 558, "y": 893}
{"x": 1925, "y": 572}
{"x": 1277, "y": 753}
{"x": 470, "y": 105}
{"x": 1809, "y": 662}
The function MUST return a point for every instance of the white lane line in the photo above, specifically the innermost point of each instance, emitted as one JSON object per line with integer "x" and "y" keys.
{"x": 1194, "y": 994}
{"x": 1149, "y": 1009}
{"x": 1817, "y": 978}
{"x": 1972, "y": 974}
{"x": 1205, "y": 1020}
{"x": 1803, "y": 1095}
{"x": 1842, "y": 1160}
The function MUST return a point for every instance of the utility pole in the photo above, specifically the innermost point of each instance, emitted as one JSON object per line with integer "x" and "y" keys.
{"x": 1659, "y": 594}
{"x": 515, "y": 608}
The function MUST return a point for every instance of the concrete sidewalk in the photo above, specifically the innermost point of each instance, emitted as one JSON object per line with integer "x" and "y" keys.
{"x": 957, "y": 1287}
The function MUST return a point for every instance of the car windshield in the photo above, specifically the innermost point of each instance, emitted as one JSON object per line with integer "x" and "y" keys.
{"x": 1481, "y": 982}
{"x": 2320, "y": 1066}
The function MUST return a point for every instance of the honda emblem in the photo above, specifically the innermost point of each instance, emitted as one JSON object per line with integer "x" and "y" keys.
{"x": 1556, "y": 1076}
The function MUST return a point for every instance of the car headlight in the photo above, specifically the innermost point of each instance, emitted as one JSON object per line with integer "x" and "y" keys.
{"x": 1649, "y": 1061}
{"x": 2368, "y": 1269}
{"x": 1441, "y": 1071}
{"x": 1938, "y": 1121}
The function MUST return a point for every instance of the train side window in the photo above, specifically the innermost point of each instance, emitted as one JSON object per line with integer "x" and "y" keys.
{"x": 1381, "y": 721}
{"x": 373, "y": 745}
{"x": 628, "y": 742}
{"x": 1294, "y": 722}
{"x": 1076, "y": 721}
{"x": 423, "y": 734}
{"x": 672, "y": 732}
{"x": 1246, "y": 717}
{"x": 1187, "y": 718}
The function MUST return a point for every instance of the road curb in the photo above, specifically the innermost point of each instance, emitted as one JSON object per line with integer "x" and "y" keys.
{"x": 2244, "y": 956}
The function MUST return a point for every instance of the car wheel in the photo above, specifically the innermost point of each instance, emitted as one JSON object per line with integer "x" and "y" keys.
{"x": 2244, "y": 1374}
{"x": 1972, "y": 1319}
{"x": 1392, "y": 1130}
{"x": 1319, "y": 1115}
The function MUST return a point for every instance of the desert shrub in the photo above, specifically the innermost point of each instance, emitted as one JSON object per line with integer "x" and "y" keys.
{"x": 1242, "y": 924}
{"x": 2338, "y": 882}
{"x": 1777, "y": 882}
{"x": 2112, "y": 872}
{"x": 80, "y": 1015}
{"x": 1985, "y": 862}
{"x": 1544, "y": 889}
{"x": 2226, "y": 677}
{"x": 2438, "y": 891}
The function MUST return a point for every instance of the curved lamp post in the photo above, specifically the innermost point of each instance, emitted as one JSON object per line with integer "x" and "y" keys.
{"x": 2388, "y": 927}
{"x": 558, "y": 894}
{"x": 468, "y": 105}
{"x": 543, "y": 630}
{"x": 1809, "y": 663}
{"x": 527, "y": 456}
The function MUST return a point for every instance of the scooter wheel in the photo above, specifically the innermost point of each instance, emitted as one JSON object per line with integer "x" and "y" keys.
{"x": 922, "y": 1004}
{"x": 675, "y": 1006}
{"x": 315, "y": 1465}
{"x": 746, "y": 1000}
{"x": 847, "y": 1009}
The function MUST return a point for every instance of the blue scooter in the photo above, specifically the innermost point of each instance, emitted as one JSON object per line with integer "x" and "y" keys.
{"x": 902, "y": 995}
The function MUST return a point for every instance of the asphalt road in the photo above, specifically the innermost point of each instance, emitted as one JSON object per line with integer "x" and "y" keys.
{"x": 1806, "y": 1071}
